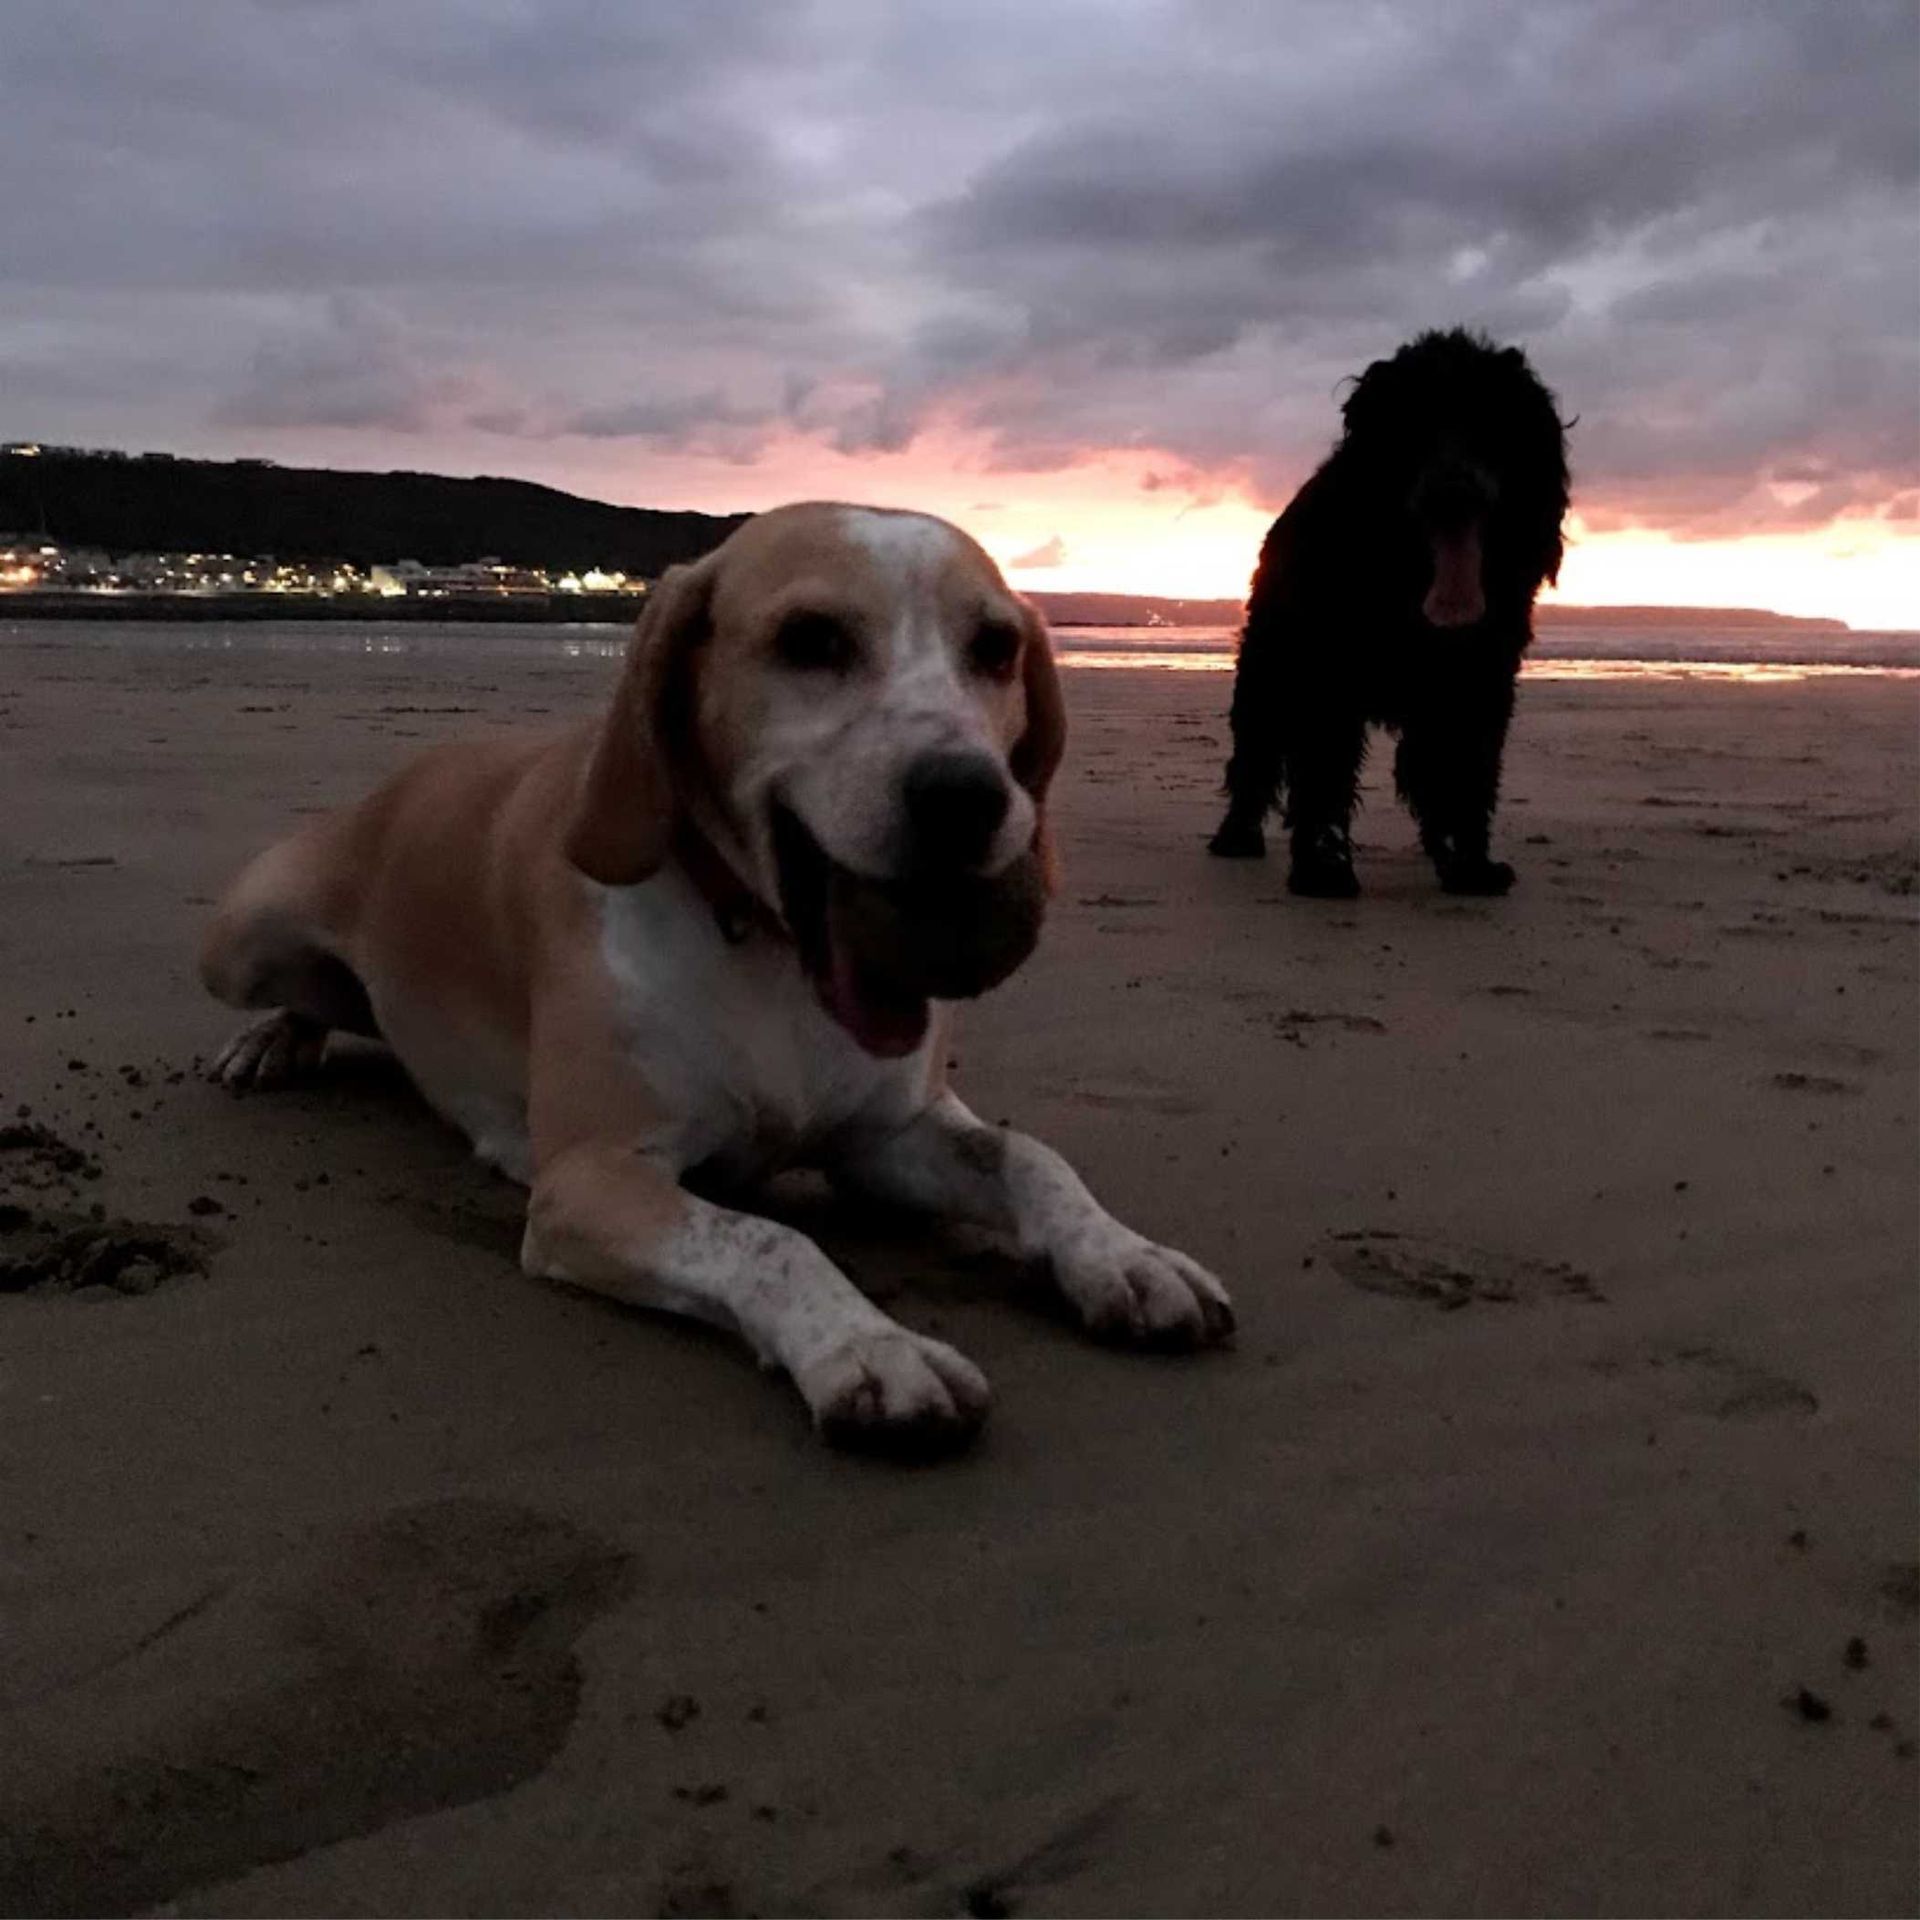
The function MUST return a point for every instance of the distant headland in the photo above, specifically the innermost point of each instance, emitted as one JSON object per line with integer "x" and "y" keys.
{"x": 1143, "y": 610}
{"x": 153, "y": 503}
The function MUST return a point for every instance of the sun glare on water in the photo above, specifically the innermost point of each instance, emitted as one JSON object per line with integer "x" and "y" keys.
{"x": 1866, "y": 573}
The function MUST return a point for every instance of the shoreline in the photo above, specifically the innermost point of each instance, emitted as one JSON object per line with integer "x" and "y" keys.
{"x": 488, "y": 626}
{"x": 529, "y": 609}
{"x": 39, "y": 604}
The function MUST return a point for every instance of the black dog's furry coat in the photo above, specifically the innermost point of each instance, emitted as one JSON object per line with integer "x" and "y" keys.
{"x": 1398, "y": 588}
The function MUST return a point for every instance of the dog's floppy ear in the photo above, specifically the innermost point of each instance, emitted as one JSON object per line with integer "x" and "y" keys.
{"x": 623, "y": 824}
{"x": 1036, "y": 754}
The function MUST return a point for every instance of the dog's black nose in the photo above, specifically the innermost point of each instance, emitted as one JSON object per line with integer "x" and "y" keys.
{"x": 955, "y": 803}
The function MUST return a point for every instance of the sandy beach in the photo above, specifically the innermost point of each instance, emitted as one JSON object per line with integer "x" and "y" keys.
{"x": 1546, "y": 1544}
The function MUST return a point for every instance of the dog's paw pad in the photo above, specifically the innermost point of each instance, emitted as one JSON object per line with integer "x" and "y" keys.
{"x": 274, "y": 1052}
{"x": 895, "y": 1391}
{"x": 1237, "y": 841}
{"x": 1127, "y": 1288}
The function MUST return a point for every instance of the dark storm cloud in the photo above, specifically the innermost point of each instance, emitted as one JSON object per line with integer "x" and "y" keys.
{"x": 358, "y": 367}
{"x": 1702, "y": 221}
{"x": 1091, "y": 225}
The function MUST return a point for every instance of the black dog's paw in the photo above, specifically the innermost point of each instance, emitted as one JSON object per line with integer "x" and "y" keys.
{"x": 1482, "y": 877}
{"x": 1238, "y": 840}
{"x": 1323, "y": 879}
{"x": 1322, "y": 866}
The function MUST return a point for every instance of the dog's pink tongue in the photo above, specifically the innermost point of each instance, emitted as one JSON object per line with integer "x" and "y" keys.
{"x": 1455, "y": 599}
{"x": 886, "y": 1023}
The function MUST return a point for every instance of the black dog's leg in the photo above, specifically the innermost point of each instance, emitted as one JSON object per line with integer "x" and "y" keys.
{"x": 1254, "y": 772}
{"x": 1448, "y": 773}
{"x": 1323, "y": 786}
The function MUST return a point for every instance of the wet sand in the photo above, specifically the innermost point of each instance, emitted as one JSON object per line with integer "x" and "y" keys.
{"x": 1546, "y": 1544}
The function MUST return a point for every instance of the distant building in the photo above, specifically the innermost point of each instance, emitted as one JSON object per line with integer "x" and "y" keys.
{"x": 397, "y": 577}
{"x": 33, "y": 562}
{"x": 489, "y": 575}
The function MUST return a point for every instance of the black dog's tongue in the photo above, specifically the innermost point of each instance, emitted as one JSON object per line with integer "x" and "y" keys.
{"x": 1456, "y": 597}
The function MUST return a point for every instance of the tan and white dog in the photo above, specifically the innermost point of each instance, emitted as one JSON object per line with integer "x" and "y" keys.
{"x": 717, "y": 933}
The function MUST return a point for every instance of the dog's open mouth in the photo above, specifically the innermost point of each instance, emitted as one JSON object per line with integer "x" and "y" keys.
{"x": 878, "y": 951}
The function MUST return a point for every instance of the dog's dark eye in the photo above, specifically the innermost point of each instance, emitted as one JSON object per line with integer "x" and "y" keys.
{"x": 993, "y": 649}
{"x": 814, "y": 643}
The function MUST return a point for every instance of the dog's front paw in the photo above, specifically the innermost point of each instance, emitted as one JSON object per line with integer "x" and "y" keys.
{"x": 1238, "y": 839}
{"x": 1314, "y": 878}
{"x": 274, "y": 1052}
{"x": 889, "y": 1390}
{"x": 1127, "y": 1288}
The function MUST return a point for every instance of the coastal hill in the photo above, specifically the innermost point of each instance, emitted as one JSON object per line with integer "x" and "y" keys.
{"x": 154, "y": 503}
{"x": 1562, "y": 613}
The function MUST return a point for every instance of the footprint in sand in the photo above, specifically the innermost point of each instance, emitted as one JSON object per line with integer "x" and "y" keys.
{"x": 421, "y": 1661}
{"x": 1449, "y": 1276}
{"x": 493, "y": 1222}
{"x": 1810, "y": 1083}
{"x": 1895, "y": 872}
{"x": 1131, "y": 1099}
{"x": 1706, "y": 1379}
{"x": 1127, "y": 902}
{"x": 1295, "y": 1023}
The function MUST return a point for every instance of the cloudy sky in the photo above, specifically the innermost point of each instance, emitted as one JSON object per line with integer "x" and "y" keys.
{"x": 1083, "y": 274}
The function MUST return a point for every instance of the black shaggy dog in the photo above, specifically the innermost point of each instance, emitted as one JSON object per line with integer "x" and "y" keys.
{"x": 1398, "y": 588}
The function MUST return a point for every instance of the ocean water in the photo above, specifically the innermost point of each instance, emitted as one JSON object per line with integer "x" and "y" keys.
{"x": 1747, "y": 654}
{"x": 1756, "y": 654}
